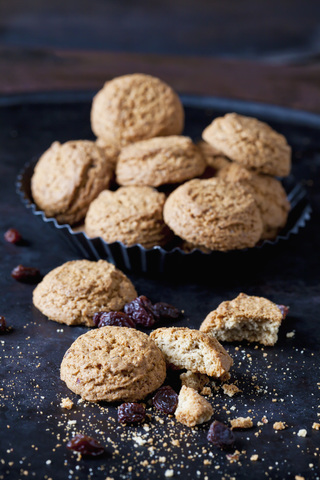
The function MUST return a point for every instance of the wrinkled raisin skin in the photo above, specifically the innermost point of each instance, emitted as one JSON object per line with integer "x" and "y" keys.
{"x": 13, "y": 236}
{"x": 220, "y": 435}
{"x": 162, "y": 310}
{"x": 166, "y": 400}
{"x": 26, "y": 274}
{"x": 118, "y": 319}
{"x": 140, "y": 310}
{"x": 3, "y": 325}
{"x": 131, "y": 413}
{"x": 85, "y": 445}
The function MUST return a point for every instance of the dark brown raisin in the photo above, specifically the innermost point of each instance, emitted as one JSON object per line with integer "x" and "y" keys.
{"x": 162, "y": 310}
{"x": 131, "y": 413}
{"x": 13, "y": 236}
{"x": 118, "y": 319}
{"x": 3, "y": 325}
{"x": 220, "y": 435}
{"x": 284, "y": 310}
{"x": 140, "y": 310}
{"x": 166, "y": 399}
{"x": 85, "y": 445}
{"x": 26, "y": 274}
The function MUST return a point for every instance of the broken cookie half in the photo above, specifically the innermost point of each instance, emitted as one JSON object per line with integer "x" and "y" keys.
{"x": 255, "y": 319}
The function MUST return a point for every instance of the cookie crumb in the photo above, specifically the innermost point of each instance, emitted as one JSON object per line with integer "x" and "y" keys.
{"x": 316, "y": 426}
{"x": 302, "y": 432}
{"x": 192, "y": 408}
{"x": 298, "y": 477}
{"x": 290, "y": 334}
{"x": 279, "y": 426}
{"x": 66, "y": 403}
{"x": 241, "y": 422}
{"x": 230, "y": 389}
{"x": 169, "y": 473}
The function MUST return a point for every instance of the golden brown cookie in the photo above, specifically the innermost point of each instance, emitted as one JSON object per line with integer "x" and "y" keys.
{"x": 130, "y": 215}
{"x": 136, "y": 107}
{"x": 214, "y": 158}
{"x": 75, "y": 291}
{"x": 269, "y": 194}
{"x": 113, "y": 364}
{"x": 110, "y": 150}
{"x": 251, "y": 318}
{"x": 67, "y": 177}
{"x": 193, "y": 350}
{"x": 250, "y": 142}
{"x": 215, "y": 214}
{"x": 192, "y": 408}
{"x": 159, "y": 161}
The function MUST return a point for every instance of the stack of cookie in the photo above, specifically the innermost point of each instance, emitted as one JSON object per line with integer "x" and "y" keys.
{"x": 143, "y": 182}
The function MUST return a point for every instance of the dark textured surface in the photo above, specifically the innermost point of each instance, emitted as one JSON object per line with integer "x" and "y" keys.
{"x": 33, "y": 426}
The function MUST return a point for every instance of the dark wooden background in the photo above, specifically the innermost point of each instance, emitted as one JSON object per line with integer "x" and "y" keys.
{"x": 264, "y": 50}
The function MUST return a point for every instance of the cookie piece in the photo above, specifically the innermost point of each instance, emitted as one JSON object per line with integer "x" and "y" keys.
{"x": 67, "y": 177}
{"x": 75, "y": 291}
{"x": 159, "y": 161}
{"x": 110, "y": 150}
{"x": 250, "y": 142}
{"x": 214, "y": 213}
{"x": 134, "y": 107}
{"x": 269, "y": 194}
{"x": 215, "y": 159}
{"x": 255, "y": 319}
{"x": 130, "y": 215}
{"x": 113, "y": 364}
{"x": 197, "y": 381}
{"x": 192, "y": 408}
{"x": 193, "y": 350}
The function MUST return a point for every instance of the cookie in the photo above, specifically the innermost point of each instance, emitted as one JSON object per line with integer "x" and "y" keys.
{"x": 193, "y": 350}
{"x": 159, "y": 161}
{"x": 136, "y": 107}
{"x": 214, "y": 214}
{"x": 255, "y": 319}
{"x": 197, "y": 381}
{"x": 130, "y": 215}
{"x": 215, "y": 159}
{"x": 110, "y": 150}
{"x": 67, "y": 177}
{"x": 269, "y": 194}
{"x": 113, "y": 364}
{"x": 192, "y": 408}
{"x": 250, "y": 142}
{"x": 75, "y": 291}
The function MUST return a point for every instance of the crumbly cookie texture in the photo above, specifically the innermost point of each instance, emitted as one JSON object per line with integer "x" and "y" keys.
{"x": 192, "y": 408}
{"x": 193, "y": 350}
{"x": 113, "y": 364}
{"x": 197, "y": 381}
{"x": 73, "y": 292}
{"x": 241, "y": 422}
{"x": 250, "y": 142}
{"x": 159, "y": 161}
{"x": 110, "y": 150}
{"x": 135, "y": 107}
{"x": 268, "y": 192}
{"x": 255, "y": 319}
{"x": 131, "y": 215}
{"x": 67, "y": 177}
{"x": 213, "y": 157}
{"x": 215, "y": 214}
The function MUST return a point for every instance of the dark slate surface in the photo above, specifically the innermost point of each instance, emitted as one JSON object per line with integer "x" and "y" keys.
{"x": 280, "y": 382}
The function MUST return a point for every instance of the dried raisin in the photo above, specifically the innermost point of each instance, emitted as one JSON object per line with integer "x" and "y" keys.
{"x": 3, "y": 325}
{"x": 140, "y": 310}
{"x": 166, "y": 399}
{"x": 26, "y": 274}
{"x": 85, "y": 445}
{"x": 284, "y": 310}
{"x": 13, "y": 236}
{"x": 118, "y": 319}
{"x": 131, "y": 413}
{"x": 162, "y": 310}
{"x": 220, "y": 435}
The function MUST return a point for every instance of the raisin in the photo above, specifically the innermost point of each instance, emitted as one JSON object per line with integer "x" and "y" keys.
{"x": 131, "y": 413}
{"x": 26, "y": 274}
{"x": 13, "y": 236}
{"x": 140, "y": 311}
{"x": 3, "y": 325}
{"x": 118, "y": 319}
{"x": 220, "y": 435}
{"x": 85, "y": 445}
{"x": 166, "y": 399}
{"x": 284, "y": 310}
{"x": 162, "y": 310}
